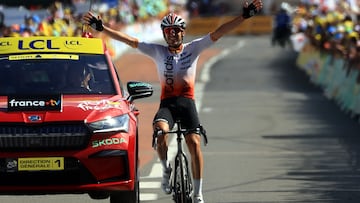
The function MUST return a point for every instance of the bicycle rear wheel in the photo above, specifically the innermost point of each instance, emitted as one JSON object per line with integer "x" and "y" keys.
{"x": 182, "y": 181}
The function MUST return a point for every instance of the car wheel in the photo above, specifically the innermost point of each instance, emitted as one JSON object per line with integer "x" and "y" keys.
{"x": 130, "y": 196}
{"x": 126, "y": 196}
{"x": 98, "y": 195}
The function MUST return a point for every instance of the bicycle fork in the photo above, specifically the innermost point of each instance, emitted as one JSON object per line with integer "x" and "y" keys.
{"x": 182, "y": 182}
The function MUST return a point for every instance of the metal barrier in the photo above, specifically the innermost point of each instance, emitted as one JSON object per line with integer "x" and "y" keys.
{"x": 255, "y": 25}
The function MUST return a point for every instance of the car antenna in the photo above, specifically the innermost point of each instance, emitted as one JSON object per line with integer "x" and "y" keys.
{"x": 85, "y": 27}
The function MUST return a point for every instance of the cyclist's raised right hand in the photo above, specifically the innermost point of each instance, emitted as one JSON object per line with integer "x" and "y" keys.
{"x": 96, "y": 23}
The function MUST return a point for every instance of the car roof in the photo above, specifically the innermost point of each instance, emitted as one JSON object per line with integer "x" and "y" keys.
{"x": 19, "y": 45}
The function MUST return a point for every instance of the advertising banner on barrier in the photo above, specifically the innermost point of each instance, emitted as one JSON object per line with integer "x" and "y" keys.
{"x": 298, "y": 41}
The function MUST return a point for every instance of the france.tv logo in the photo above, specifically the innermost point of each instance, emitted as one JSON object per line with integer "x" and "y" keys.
{"x": 35, "y": 103}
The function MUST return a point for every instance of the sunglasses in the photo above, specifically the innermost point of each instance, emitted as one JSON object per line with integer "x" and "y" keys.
{"x": 169, "y": 30}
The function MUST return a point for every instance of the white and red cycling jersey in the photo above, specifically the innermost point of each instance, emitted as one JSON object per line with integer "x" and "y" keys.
{"x": 176, "y": 72}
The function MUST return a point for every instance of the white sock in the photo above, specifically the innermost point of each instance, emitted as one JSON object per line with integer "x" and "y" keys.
{"x": 165, "y": 164}
{"x": 198, "y": 186}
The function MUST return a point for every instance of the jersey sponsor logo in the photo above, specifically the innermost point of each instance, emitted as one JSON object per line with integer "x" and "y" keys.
{"x": 185, "y": 61}
{"x": 169, "y": 75}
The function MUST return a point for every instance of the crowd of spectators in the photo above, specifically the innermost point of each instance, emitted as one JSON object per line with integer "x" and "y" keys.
{"x": 63, "y": 20}
{"x": 334, "y": 30}
{"x": 331, "y": 52}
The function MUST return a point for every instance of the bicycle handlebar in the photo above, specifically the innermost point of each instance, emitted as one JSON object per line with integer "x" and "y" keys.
{"x": 198, "y": 130}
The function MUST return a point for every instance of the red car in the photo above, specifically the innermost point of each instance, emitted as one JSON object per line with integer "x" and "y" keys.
{"x": 67, "y": 124}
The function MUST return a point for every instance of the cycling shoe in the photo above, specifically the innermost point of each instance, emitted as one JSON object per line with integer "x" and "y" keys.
{"x": 165, "y": 183}
{"x": 198, "y": 199}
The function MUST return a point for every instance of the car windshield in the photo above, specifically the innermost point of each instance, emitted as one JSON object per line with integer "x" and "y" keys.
{"x": 55, "y": 74}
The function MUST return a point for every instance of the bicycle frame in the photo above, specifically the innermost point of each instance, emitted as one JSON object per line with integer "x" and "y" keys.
{"x": 181, "y": 180}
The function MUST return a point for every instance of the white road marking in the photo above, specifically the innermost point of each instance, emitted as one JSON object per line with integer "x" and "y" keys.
{"x": 148, "y": 196}
{"x": 150, "y": 185}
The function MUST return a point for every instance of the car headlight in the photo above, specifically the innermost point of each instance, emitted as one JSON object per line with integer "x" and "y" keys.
{"x": 111, "y": 124}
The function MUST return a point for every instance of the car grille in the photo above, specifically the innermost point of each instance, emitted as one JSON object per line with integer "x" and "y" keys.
{"x": 43, "y": 136}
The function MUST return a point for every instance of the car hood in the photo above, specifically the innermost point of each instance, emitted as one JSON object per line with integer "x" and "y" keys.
{"x": 71, "y": 108}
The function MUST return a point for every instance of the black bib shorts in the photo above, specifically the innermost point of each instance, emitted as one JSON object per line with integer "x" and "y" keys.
{"x": 175, "y": 108}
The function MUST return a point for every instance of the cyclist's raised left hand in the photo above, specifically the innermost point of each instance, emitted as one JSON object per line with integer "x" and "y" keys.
{"x": 251, "y": 9}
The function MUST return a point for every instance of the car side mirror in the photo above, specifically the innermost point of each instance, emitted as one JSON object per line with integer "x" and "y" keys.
{"x": 139, "y": 90}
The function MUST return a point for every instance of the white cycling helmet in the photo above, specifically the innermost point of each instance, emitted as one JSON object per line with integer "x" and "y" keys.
{"x": 172, "y": 20}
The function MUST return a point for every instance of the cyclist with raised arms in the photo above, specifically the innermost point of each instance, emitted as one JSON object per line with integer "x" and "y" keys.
{"x": 176, "y": 67}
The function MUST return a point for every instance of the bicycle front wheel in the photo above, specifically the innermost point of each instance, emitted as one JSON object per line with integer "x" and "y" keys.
{"x": 182, "y": 181}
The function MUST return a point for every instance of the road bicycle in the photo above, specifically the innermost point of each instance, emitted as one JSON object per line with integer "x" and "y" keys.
{"x": 181, "y": 179}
